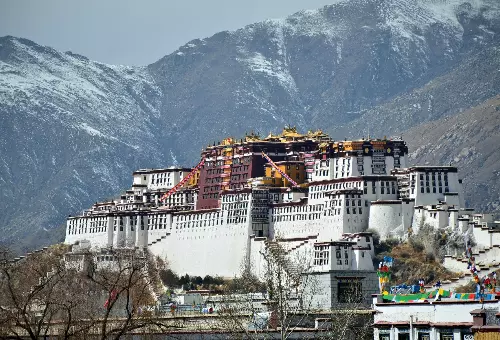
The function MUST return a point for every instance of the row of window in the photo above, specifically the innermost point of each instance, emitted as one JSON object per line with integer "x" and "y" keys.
{"x": 235, "y": 198}
{"x": 197, "y": 224}
{"x": 234, "y": 206}
{"x": 296, "y": 217}
{"x": 210, "y": 196}
{"x": 433, "y": 175}
{"x": 434, "y": 191}
{"x": 329, "y": 187}
{"x": 297, "y": 208}
{"x": 197, "y": 217}
{"x": 433, "y": 183}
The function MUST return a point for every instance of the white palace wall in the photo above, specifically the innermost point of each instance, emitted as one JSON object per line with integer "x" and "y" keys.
{"x": 211, "y": 250}
{"x": 200, "y": 244}
{"x": 222, "y": 241}
{"x": 256, "y": 260}
{"x": 385, "y": 217}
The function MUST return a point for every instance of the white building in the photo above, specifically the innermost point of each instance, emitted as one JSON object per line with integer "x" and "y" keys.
{"x": 354, "y": 186}
{"x": 448, "y": 319}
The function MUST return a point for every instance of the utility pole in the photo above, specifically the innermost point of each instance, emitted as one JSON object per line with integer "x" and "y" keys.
{"x": 411, "y": 327}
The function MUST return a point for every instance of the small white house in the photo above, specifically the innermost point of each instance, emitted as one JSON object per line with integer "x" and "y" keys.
{"x": 449, "y": 319}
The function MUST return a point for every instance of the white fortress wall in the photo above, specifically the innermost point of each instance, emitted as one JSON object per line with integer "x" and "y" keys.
{"x": 495, "y": 238}
{"x": 463, "y": 224}
{"x": 93, "y": 229}
{"x": 257, "y": 262}
{"x": 204, "y": 246}
{"x": 127, "y": 241}
{"x": 407, "y": 210}
{"x": 453, "y": 218}
{"x": 159, "y": 225}
{"x": 385, "y": 217}
{"x": 367, "y": 165}
{"x": 142, "y": 231}
{"x": 482, "y": 236}
{"x": 437, "y": 218}
{"x": 333, "y": 255}
{"x": 433, "y": 184}
{"x": 389, "y": 163}
{"x": 362, "y": 259}
{"x": 363, "y": 240}
{"x": 119, "y": 232}
{"x": 348, "y": 194}
{"x": 295, "y": 221}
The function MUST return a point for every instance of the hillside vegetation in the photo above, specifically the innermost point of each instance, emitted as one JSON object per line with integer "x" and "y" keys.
{"x": 420, "y": 257}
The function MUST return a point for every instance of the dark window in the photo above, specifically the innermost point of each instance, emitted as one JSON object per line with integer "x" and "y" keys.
{"x": 424, "y": 336}
{"x": 403, "y": 336}
{"x": 349, "y": 291}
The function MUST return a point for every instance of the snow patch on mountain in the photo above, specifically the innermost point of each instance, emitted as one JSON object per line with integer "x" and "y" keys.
{"x": 272, "y": 69}
{"x": 94, "y": 132}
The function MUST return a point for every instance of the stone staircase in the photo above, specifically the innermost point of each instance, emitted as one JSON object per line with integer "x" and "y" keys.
{"x": 19, "y": 258}
{"x": 302, "y": 243}
{"x": 280, "y": 255}
{"x": 158, "y": 239}
{"x": 484, "y": 266}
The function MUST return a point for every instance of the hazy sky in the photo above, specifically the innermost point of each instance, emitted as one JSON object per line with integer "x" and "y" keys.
{"x": 134, "y": 32}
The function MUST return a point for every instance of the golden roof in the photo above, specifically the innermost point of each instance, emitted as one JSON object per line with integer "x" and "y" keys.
{"x": 228, "y": 141}
{"x": 291, "y": 132}
{"x": 252, "y": 137}
{"x": 317, "y": 133}
{"x": 271, "y": 136}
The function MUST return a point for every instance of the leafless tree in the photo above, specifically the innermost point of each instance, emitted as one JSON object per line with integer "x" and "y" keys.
{"x": 279, "y": 302}
{"x": 29, "y": 289}
{"x": 109, "y": 296}
{"x": 350, "y": 320}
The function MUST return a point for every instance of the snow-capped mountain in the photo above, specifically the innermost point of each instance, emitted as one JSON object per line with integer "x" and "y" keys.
{"x": 72, "y": 130}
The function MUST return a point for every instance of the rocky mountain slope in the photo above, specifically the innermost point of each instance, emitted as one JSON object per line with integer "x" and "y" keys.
{"x": 72, "y": 130}
{"x": 470, "y": 141}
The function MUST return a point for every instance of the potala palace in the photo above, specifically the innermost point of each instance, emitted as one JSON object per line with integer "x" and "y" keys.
{"x": 309, "y": 193}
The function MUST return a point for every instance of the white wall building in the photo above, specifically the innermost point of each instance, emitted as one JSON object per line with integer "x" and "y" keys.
{"x": 355, "y": 186}
{"x": 449, "y": 319}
